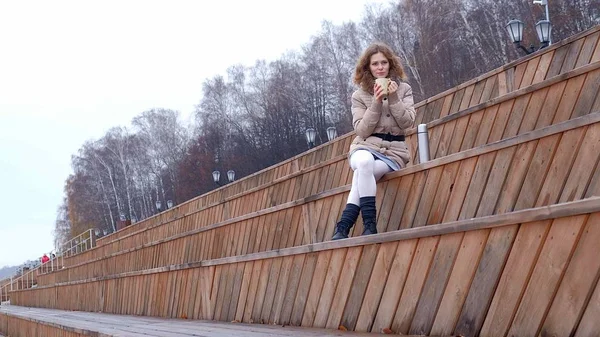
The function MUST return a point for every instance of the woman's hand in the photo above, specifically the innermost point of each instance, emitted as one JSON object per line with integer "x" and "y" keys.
{"x": 392, "y": 87}
{"x": 378, "y": 93}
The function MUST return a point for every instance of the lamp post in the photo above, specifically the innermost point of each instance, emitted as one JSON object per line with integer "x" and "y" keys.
{"x": 231, "y": 175}
{"x": 216, "y": 177}
{"x": 169, "y": 204}
{"x": 331, "y": 133}
{"x": 158, "y": 206}
{"x": 543, "y": 29}
{"x": 310, "y": 137}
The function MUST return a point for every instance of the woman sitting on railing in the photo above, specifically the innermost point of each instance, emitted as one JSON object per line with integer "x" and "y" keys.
{"x": 382, "y": 109}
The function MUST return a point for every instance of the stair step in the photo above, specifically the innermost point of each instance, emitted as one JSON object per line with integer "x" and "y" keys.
{"x": 86, "y": 324}
{"x": 437, "y": 279}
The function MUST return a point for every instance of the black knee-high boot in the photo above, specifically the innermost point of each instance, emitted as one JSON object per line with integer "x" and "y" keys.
{"x": 369, "y": 215}
{"x": 349, "y": 216}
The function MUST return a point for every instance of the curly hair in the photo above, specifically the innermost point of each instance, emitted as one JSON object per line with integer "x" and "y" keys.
{"x": 362, "y": 73}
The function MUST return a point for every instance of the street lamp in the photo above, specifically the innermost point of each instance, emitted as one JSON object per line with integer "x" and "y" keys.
{"x": 310, "y": 137}
{"x": 97, "y": 231}
{"x": 169, "y": 203}
{"x": 158, "y": 205}
{"x": 216, "y": 176}
{"x": 231, "y": 175}
{"x": 331, "y": 133}
{"x": 122, "y": 216}
{"x": 543, "y": 29}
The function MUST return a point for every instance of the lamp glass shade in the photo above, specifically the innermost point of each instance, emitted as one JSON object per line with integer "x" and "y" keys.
{"x": 310, "y": 135}
{"x": 122, "y": 217}
{"x": 97, "y": 232}
{"x": 216, "y": 176}
{"x": 105, "y": 232}
{"x": 158, "y": 204}
{"x": 231, "y": 175}
{"x": 331, "y": 133}
{"x": 543, "y": 29}
{"x": 515, "y": 30}
{"x": 169, "y": 203}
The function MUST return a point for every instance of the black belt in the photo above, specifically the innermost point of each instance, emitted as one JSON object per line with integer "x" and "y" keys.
{"x": 389, "y": 137}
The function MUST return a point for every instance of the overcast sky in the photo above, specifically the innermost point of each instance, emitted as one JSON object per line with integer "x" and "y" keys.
{"x": 70, "y": 70}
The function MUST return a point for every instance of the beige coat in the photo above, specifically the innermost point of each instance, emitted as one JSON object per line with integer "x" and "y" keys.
{"x": 393, "y": 116}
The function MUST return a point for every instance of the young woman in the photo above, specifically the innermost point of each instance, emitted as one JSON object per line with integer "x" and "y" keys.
{"x": 379, "y": 119}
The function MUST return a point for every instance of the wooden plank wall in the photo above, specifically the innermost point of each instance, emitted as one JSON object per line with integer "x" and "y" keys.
{"x": 13, "y": 326}
{"x": 523, "y": 274}
{"x": 514, "y": 174}
{"x": 560, "y": 58}
{"x": 561, "y": 98}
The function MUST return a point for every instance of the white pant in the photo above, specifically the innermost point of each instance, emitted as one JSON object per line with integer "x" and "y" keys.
{"x": 367, "y": 170}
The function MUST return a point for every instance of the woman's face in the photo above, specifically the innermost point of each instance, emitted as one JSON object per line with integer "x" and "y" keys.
{"x": 379, "y": 65}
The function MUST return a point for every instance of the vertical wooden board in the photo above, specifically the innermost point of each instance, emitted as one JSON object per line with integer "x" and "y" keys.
{"x": 261, "y": 290}
{"x": 557, "y": 61}
{"x": 252, "y": 291}
{"x": 322, "y": 223}
{"x": 530, "y": 71}
{"x": 588, "y": 95}
{"x": 244, "y": 291}
{"x": 515, "y": 276}
{"x": 471, "y": 130}
{"x": 292, "y": 289}
{"x": 446, "y": 105}
{"x": 496, "y": 180}
{"x": 343, "y": 288}
{"x": 555, "y": 92}
{"x": 278, "y": 224}
{"x": 477, "y": 185}
{"x": 224, "y": 293}
{"x": 428, "y": 196}
{"x": 477, "y": 93}
{"x": 413, "y": 286}
{"x": 543, "y": 66}
{"x": 195, "y": 294}
{"x": 466, "y": 99}
{"x": 295, "y": 236}
{"x": 459, "y": 282}
{"x": 400, "y": 202}
{"x": 322, "y": 288}
{"x": 336, "y": 208}
{"x": 328, "y": 184}
{"x": 445, "y": 141}
{"x": 458, "y": 136}
{"x": 537, "y": 171}
{"x": 547, "y": 273}
{"x": 237, "y": 275}
{"x": 484, "y": 282}
{"x": 387, "y": 205}
{"x": 269, "y": 294}
{"x": 577, "y": 284}
{"x": 485, "y": 129}
{"x": 359, "y": 286}
{"x": 281, "y": 289}
{"x": 435, "y": 284}
{"x": 435, "y": 135}
{"x": 504, "y": 85}
{"x": 456, "y": 100}
{"x": 532, "y": 112}
{"x": 375, "y": 288}
{"x": 500, "y": 122}
{"x": 306, "y": 281}
{"x": 419, "y": 112}
{"x": 253, "y": 235}
{"x": 459, "y": 189}
{"x": 560, "y": 167}
{"x": 584, "y": 166}
{"x": 444, "y": 189}
{"x": 572, "y": 55}
{"x": 516, "y": 116}
{"x": 410, "y": 209}
{"x": 518, "y": 75}
{"x": 590, "y": 324}
{"x": 515, "y": 177}
{"x": 569, "y": 98}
